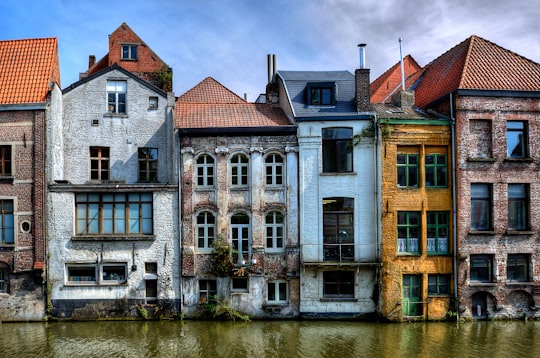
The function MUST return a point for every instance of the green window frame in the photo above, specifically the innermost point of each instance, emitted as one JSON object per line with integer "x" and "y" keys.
{"x": 408, "y": 232}
{"x": 407, "y": 170}
{"x": 438, "y": 285}
{"x": 436, "y": 170}
{"x": 438, "y": 232}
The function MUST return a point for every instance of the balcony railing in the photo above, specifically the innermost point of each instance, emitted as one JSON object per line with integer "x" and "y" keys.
{"x": 341, "y": 253}
{"x": 338, "y": 252}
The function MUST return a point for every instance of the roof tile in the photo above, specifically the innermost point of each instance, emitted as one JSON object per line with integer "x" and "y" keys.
{"x": 26, "y": 69}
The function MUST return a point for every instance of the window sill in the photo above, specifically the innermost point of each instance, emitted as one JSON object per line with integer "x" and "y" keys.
{"x": 480, "y": 232}
{"x": 482, "y": 160}
{"x": 440, "y": 296}
{"x": 519, "y": 283}
{"x": 408, "y": 187}
{"x": 7, "y": 179}
{"x": 339, "y": 299}
{"x": 7, "y": 247}
{"x": 409, "y": 254}
{"x": 114, "y": 238}
{"x": 239, "y": 188}
{"x": 519, "y": 160}
{"x": 239, "y": 292}
{"x": 205, "y": 188}
{"x": 119, "y": 115}
{"x": 483, "y": 284}
{"x": 519, "y": 232}
{"x": 331, "y": 174}
{"x": 439, "y": 253}
{"x": 204, "y": 251}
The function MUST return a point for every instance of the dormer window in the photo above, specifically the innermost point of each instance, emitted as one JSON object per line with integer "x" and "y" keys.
{"x": 129, "y": 52}
{"x": 321, "y": 94}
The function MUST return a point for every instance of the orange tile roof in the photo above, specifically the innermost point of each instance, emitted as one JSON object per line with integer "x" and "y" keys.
{"x": 211, "y": 105}
{"x": 476, "y": 64}
{"x": 26, "y": 68}
{"x": 382, "y": 89}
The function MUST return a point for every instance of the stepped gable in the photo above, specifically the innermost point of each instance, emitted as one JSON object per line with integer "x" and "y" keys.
{"x": 27, "y": 67}
{"x": 476, "y": 64}
{"x": 211, "y": 105}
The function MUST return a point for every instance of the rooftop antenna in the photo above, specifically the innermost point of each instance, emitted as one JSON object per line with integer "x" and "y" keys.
{"x": 402, "y": 70}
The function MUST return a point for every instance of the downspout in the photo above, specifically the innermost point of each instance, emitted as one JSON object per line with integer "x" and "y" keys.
{"x": 454, "y": 204}
{"x": 378, "y": 208}
{"x": 178, "y": 155}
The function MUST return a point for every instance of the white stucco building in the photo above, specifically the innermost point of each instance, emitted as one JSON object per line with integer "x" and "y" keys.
{"x": 338, "y": 190}
{"x": 112, "y": 218}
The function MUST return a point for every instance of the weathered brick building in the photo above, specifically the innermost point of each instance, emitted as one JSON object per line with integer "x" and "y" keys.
{"x": 239, "y": 199}
{"x": 494, "y": 96}
{"x": 30, "y": 97}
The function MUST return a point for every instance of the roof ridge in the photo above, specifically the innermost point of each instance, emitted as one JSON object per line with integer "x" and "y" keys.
{"x": 465, "y": 67}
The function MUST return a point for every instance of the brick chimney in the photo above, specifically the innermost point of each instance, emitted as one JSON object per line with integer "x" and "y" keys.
{"x": 91, "y": 61}
{"x": 361, "y": 76}
{"x": 403, "y": 99}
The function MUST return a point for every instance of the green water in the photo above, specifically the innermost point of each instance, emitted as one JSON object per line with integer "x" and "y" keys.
{"x": 270, "y": 339}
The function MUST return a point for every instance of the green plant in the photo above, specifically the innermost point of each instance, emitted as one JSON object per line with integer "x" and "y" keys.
{"x": 49, "y": 300}
{"x": 367, "y": 132}
{"x": 163, "y": 78}
{"x": 216, "y": 309}
{"x": 221, "y": 259}
{"x": 451, "y": 315}
{"x": 143, "y": 312}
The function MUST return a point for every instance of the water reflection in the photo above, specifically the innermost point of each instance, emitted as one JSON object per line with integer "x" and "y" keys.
{"x": 269, "y": 339}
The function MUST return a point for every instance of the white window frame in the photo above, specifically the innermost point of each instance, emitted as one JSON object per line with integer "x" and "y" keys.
{"x": 272, "y": 167}
{"x": 205, "y": 227}
{"x": 277, "y": 286}
{"x": 98, "y": 276}
{"x": 237, "y": 235}
{"x": 118, "y": 88}
{"x": 274, "y": 227}
{"x": 205, "y": 166}
{"x": 239, "y": 179}
{"x": 130, "y": 52}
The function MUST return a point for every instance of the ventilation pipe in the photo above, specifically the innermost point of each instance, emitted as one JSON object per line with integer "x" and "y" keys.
{"x": 361, "y": 49}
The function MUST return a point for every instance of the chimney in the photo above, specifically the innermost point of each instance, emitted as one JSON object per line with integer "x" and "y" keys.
{"x": 403, "y": 99}
{"x": 362, "y": 83}
{"x": 91, "y": 61}
{"x": 272, "y": 91}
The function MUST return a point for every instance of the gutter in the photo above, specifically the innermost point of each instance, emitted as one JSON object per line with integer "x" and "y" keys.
{"x": 454, "y": 205}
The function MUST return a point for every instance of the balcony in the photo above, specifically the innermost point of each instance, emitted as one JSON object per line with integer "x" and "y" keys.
{"x": 338, "y": 252}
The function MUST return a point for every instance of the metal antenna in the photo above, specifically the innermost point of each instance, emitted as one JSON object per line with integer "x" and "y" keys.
{"x": 402, "y": 70}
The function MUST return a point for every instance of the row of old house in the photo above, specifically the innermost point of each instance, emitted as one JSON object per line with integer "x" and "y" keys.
{"x": 412, "y": 197}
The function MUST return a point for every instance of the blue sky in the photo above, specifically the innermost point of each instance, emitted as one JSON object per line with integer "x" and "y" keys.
{"x": 229, "y": 39}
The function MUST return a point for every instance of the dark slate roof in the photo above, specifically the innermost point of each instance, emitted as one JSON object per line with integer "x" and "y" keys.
{"x": 295, "y": 83}
{"x": 389, "y": 111}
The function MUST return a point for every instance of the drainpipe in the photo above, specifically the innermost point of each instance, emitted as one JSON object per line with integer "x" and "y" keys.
{"x": 378, "y": 207}
{"x": 178, "y": 156}
{"x": 454, "y": 205}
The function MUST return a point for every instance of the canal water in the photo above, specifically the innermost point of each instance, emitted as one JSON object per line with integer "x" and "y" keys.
{"x": 269, "y": 339}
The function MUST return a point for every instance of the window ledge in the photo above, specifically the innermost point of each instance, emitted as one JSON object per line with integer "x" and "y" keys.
{"x": 6, "y": 179}
{"x": 520, "y": 283}
{"x": 205, "y": 188}
{"x": 239, "y": 188}
{"x": 482, "y": 160}
{"x": 406, "y": 254}
{"x": 413, "y": 187}
{"x": 483, "y": 284}
{"x": 440, "y": 296}
{"x": 7, "y": 247}
{"x": 331, "y": 174}
{"x": 519, "y": 160}
{"x": 480, "y": 232}
{"x": 119, "y": 115}
{"x": 114, "y": 238}
{"x": 4, "y": 295}
{"x": 519, "y": 232}
{"x": 339, "y": 299}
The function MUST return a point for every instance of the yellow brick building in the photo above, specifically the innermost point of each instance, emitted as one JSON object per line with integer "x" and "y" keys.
{"x": 417, "y": 245}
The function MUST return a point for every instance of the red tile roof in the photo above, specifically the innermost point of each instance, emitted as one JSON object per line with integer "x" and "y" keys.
{"x": 211, "y": 105}
{"x": 389, "y": 82}
{"x": 476, "y": 64}
{"x": 26, "y": 69}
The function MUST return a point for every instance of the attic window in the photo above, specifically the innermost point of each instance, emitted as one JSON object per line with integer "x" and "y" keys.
{"x": 152, "y": 102}
{"x": 321, "y": 94}
{"x": 129, "y": 52}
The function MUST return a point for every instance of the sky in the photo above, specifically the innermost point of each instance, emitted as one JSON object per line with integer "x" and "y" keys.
{"x": 229, "y": 39}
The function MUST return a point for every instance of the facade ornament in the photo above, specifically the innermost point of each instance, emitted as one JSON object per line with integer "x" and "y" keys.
{"x": 291, "y": 149}
{"x": 256, "y": 149}
{"x": 222, "y": 150}
{"x": 188, "y": 150}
